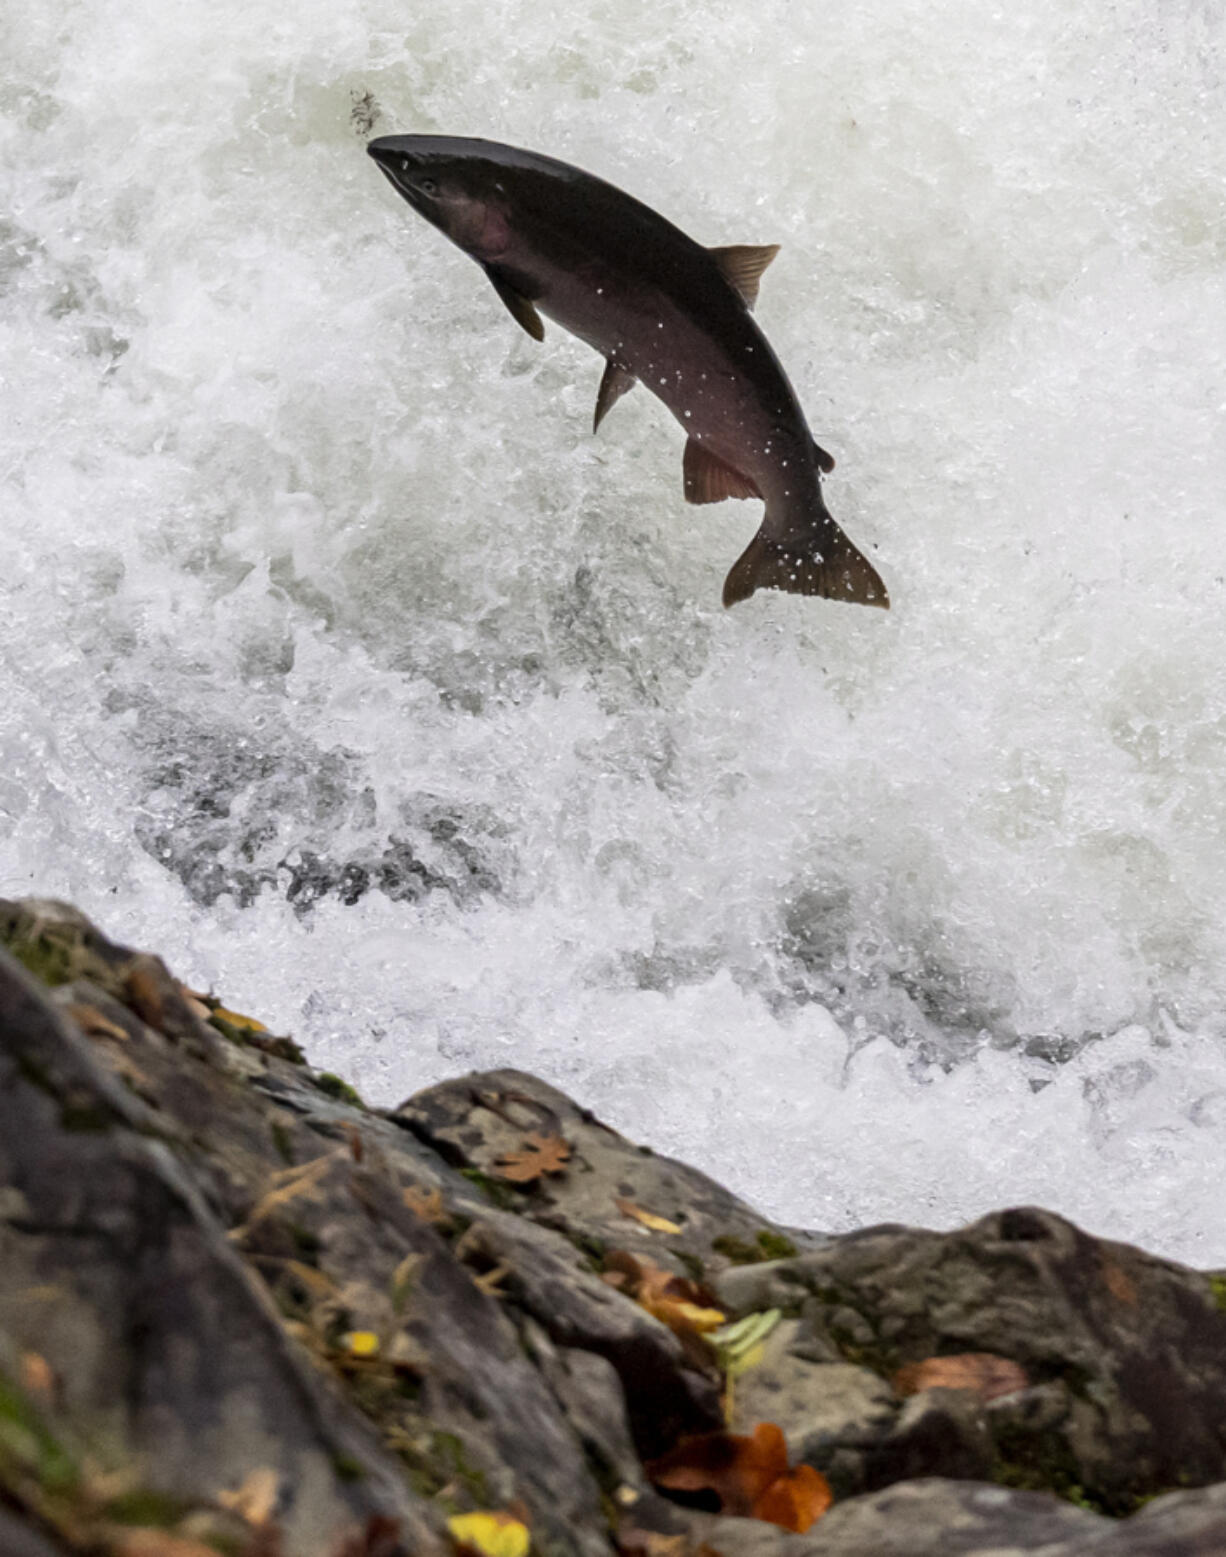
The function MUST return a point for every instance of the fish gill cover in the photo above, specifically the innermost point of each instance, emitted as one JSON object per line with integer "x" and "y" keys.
{"x": 341, "y": 662}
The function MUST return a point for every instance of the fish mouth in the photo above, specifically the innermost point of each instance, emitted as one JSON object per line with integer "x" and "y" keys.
{"x": 398, "y": 159}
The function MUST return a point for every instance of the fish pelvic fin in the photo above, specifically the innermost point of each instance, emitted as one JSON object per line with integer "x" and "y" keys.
{"x": 743, "y": 264}
{"x": 518, "y": 306}
{"x": 824, "y": 563}
{"x": 613, "y": 385}
{"x": 708, "y": 479}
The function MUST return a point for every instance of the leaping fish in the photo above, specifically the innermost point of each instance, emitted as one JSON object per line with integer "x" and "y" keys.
{"x": 662, "y": 310}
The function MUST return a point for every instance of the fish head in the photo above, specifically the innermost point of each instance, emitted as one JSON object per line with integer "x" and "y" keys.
{"x": 449, "y": 182}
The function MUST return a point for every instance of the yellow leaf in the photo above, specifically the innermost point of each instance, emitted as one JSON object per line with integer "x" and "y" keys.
{"x": 246, "y": 1024}
{"x": 657, "y": 1224}
{"x": 491, "y": 1534}
{"x": 362, "y": 1343}
{"x": 679, "y": 1315}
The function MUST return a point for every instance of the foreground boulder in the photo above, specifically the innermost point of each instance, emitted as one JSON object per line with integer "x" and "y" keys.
{"x": 242, "y": 1312}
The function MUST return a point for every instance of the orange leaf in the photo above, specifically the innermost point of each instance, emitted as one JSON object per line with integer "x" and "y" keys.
{"x": 37, "y": 1378}
{"x": 737, "y": 1469}
{"x": 795, "y": 1501}
{"x": 427, "y": 1206}
{"x": 540, "y": 1154}
{"x": 983, "y": 1374}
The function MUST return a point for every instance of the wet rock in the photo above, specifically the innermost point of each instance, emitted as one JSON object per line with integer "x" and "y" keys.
{"x": 239, "y": 1307}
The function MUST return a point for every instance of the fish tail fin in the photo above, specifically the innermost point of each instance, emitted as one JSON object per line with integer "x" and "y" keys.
{"x": 822, "y": 562}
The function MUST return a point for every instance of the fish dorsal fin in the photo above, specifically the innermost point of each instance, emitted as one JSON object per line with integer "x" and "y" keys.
{"x": 743, "y": 264}
{"x": 518, "y": 306}
{"x": 709, "y": 480}
{"x": 825, "y": 462}
{"x": 613, "y": 386}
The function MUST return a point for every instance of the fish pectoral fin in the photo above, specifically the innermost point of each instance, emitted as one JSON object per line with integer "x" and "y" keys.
{"x": 613, "y": 386}
{"x": 518, "y": 306}
{"x": 825, "y": 462}
{"x": 743, "y": 264}
{"x": 709, "y": 480}
{"x": 825, "y": 564}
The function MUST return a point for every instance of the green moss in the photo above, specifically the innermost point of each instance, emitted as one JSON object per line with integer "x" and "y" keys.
{"x": 307, "y": 1243}
{"x": 85, "y": 1116}
{"x": 697, "y": 1270}
{"x": 335, "y": 1087}
{"x": 495, "y": 1191}
{"x": 767, "y": 1245}
{"x": 146, "y": 1506}
{"x": 447, "y": 1449}
{"x": 283, "y": 1141}
{"x": 1043, "y": 1462}
{"x": 775, "y": 1246}
{"x": 1217, "y": 1286}
{"x": 27, "y": 1448}
{"x": 54, "y": 955}
{"x": 593, "y": 1248}
{"x": 347, "y": 1469}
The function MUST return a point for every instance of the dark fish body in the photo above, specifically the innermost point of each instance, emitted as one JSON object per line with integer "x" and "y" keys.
{"x": 660, "y": 309}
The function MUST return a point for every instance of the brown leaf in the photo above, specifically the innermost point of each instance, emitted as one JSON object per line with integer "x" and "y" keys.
{"x": 380, "y": 1538}
{"x": 539, "y": 1154}
{"x": 737, "y": 1469}
{"x": 37, "y": 1377}
{"x": 92, "y": 1022}
{"x": 795, "y": 1500}
{"x": 427, "y": 1206}
{"x": 147, "y": 984}
{"x": 656, "y": 1224}
{"x": 982, "y": 1374}
{"x": 1119, "y": 1283}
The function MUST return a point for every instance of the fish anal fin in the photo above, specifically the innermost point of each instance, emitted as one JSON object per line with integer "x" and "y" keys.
{"x": 825, "y": 462}
{"x": 518, "y": 306}
{"x": 613, "y": 386}
{"x": 709, "y": 480}
{"x": 837, "y": 571}
{"x": 743, "y": 264}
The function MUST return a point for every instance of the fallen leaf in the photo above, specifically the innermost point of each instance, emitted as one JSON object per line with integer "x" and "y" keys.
{"x": 492, "y": 1534}
{"x": 539, "y": 1154}
{"x": 256, "y": 1498}
{"x": 982, "y": 1374}
{"x": 749, "y": 1475}
{"x": 490, "y": 1281}
{"x": 157, "y": 1543}
{"x": 380, "y": 1538}
{"x": 795, "y": 1500}
{"x": 684, "y": 1306}
{"x": 361, "y": 1343}
{"x": 92, "y": 1022}
{"x": 426, "y": 1205}
{"x": 144, "y": 991}
{"x": 37, "y": 1377}
{"x": 657, "y": 1224}
{"x": 737, "y": 1469}
{"x": 403, "y": 1277}
{"x": 245, "y": 1024}
{"x": 651, "y": 1543}
{"x": 1119, "y": 1283}
{"x": 291, "y": 1183}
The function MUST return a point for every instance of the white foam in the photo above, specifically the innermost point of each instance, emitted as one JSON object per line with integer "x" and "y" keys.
{"x": 315, "y": 582}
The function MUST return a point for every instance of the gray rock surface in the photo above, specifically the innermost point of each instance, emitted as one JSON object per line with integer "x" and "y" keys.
{"x": 239, "y": 1310}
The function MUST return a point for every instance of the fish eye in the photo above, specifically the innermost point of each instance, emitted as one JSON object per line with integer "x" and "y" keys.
{"x": 428, "y": 186}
